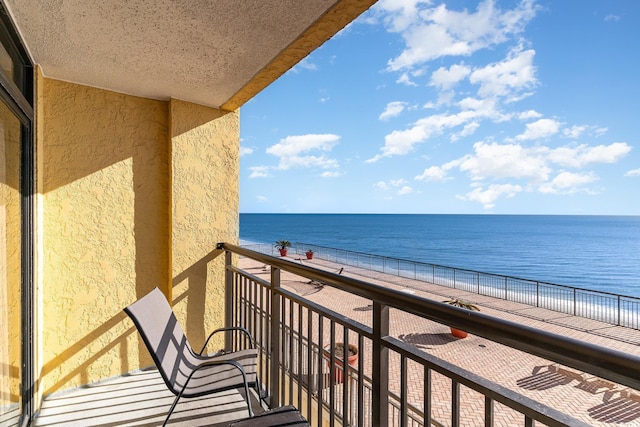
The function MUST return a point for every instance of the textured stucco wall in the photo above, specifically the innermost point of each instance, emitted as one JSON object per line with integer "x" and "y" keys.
{"x": 104, "y": 191}
{"x": 135, "y": 193}
{"x": 204, "y": 211}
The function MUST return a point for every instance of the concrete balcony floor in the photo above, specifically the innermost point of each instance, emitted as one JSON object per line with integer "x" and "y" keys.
{"x": 139, "y": 398}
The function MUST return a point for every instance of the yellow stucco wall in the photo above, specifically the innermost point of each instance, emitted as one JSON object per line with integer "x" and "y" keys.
{"x": 204, "y": 211}
{"x": 135, "y": 193}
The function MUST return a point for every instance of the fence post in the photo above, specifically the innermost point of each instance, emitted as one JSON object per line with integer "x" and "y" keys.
{"x": 380, "y": 362}
{"x": 228, "y": 300}
{"x": 574, "y": 301}
{"x": 275, "y": 344}
{"x": 618, "y": 310}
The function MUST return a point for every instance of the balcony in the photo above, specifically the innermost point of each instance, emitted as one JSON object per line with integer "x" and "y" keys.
{"x": 520, "y": 366}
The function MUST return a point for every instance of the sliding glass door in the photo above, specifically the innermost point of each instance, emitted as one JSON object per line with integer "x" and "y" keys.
{"x": 16, "y": 229}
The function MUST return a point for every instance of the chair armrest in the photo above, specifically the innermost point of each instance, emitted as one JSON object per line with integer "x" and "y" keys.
{"x": 233, "y": 328}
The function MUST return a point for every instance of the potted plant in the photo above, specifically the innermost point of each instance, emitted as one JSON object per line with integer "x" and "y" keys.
{"x": 457, "y": 302}
{"x": 338, "y": 351}
{"x": 309, "y": 254}
{"x": 282, "y": 246}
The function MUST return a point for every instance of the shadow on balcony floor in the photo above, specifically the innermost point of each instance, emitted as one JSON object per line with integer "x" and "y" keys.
{"x": 139, "y": 398}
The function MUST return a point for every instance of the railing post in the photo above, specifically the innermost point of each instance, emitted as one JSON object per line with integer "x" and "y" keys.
{"x": 228, "y": 300}
{"x": 618, "y": 310}
{"x": 380, "y": 380}
{"x": 275, "y": 344}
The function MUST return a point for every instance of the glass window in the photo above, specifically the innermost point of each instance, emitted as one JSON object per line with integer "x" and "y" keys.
{"x": 10, "y": 268}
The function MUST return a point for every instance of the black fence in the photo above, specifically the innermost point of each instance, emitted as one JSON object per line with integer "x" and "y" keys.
{"x": 605, "y": 307}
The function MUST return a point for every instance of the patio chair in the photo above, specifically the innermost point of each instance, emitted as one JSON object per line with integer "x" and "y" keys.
{"x": 185, "y": 372}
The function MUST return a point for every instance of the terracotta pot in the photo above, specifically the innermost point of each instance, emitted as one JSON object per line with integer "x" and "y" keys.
{"x": 283, "y": 252}
{"x": 352, "y": 360}
{"x": 458, "y": 333}
{"x": 309, "y": 255}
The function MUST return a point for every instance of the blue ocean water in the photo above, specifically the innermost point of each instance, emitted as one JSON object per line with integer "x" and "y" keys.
{"x": 593, "y": 252}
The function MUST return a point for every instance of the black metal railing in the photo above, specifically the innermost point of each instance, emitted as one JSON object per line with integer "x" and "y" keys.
{"x": 307, "y": 379}
{"x": 615, "y": 309}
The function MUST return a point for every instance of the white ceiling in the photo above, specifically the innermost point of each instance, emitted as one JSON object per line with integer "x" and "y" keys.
{"x": 202, "y": 51}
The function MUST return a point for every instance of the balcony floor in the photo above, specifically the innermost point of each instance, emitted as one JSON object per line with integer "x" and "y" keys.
{"x": 139, "y": 398}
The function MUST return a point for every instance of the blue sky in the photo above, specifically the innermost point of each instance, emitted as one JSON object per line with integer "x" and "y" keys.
{"x": 458, "y": 107}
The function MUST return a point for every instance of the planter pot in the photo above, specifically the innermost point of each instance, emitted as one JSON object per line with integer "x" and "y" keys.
{"x": 458, "y": 333}
{"x": 352, "y": 360}
{"x": 283, "y": 252}
{"x": 309, "y": 255}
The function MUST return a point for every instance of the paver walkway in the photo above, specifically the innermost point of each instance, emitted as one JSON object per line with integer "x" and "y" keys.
{"x": 584, "y": 397}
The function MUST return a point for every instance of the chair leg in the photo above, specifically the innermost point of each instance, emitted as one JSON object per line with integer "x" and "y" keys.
{"x": 173, "y": 406}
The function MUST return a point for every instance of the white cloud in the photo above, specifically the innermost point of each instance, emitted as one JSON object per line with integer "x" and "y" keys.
{"x": 305, "y": 64}
{"x": 330, "y": 174}
{"x": 501, "y": 161}
{"x": 406, "y": 80}
{"x": 261, "y": 199}
{"x": 401, "y": 142}
{"x": 405, "y": 190}
{"x": 467, "y": 130}
{"x": 446, "y": 78}
{"x": 293, "y": 150}
{"x": 539, "y": 129}
{"x": 259, "y": 172}
{"x": 532, "y": 168}
{"x": 432, "y": 173}
{"x": 393, "y": 109}
{"x": 506, "y": 78}
{"x": 568, "y": 183}
{"x": 611, "y": 18}
{"x": 489, "y": 196}
{"x": 448, "y": 32}
{"x": 574, "y": 131}
{"x": 531, "y": 114}
{"x": 581, "y": 155}
{"x": 381, "y": 185}
{"x": 245, "y": 151}
{"x": 394, "y": 183}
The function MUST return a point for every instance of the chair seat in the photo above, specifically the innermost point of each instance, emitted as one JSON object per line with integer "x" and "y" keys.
{"x": 285, "y": 416}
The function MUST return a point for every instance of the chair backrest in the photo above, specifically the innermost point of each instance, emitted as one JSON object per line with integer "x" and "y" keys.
{"x": 163, "y": 336}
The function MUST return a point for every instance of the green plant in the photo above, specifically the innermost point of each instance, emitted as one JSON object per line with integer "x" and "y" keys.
{"x": 310, "y": 251}
{"x": 457, "y": 302}
{"x": 282, "y": 244}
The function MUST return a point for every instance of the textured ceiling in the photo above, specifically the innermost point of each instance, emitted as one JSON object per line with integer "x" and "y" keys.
{"x": 210, "y": 52}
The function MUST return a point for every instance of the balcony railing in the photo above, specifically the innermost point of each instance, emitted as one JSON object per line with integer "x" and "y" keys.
{"x": 616, "y": 309}
{"x": 293, "y": 332}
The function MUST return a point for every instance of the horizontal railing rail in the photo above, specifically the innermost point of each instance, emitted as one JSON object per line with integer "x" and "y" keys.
{"x": 247, "y": 295}
{"x": 612, "y": 308}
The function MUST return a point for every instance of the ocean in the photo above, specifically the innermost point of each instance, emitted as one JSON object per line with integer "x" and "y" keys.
{"x": 600, "y": 253}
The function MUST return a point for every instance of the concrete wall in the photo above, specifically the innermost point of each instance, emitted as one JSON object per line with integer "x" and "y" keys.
{"x": 132, "y": 196}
